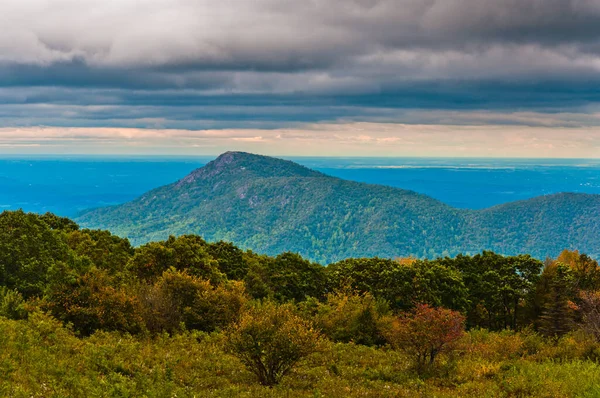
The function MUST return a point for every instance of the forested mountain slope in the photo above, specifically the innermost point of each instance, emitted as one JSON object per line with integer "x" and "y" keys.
{"x": 272, "y": 205}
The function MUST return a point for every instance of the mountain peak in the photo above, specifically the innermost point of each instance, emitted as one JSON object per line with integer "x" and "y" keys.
{"x": 234, "y": 164}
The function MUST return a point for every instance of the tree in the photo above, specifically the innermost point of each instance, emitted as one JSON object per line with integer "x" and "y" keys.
{"x": 287, "y": 277}
{"x": 29, "y": 250}
{"x": 12, "y": 304}
{"x": 95, "y": 301}
{"x": 498, "y": 287}
{"x": 231, "y": 259}
{"x": 180, "y": 298}
{"x": 59, "y": 223}
{"x": 402, "y": 282}
{"x": 256, "y": 280}
{"x": 294, "y": 278}
{"x": 437, "y": 285}
{"x": 271, "y": 339}
{"x": 590, "y": 311}
{"x": 373, "y": 275}
{"x": 352, "y": 317}
{"x": 425, "y": 333}
{"x": 558, "y": 308}
{"x": 105, "y": 250}
{"x": 586, "y": 272}
{"x": 187, "y": 252}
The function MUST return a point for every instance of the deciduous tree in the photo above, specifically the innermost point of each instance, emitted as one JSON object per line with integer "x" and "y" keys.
{"x": 425, "y": 333}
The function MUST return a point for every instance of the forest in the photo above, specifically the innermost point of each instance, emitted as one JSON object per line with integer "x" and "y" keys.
{"x": 272, "y": 206}
{"x": 83, "y": 313}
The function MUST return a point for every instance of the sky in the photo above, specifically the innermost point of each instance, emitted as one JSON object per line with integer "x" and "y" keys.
{"x": 498, "y": 78}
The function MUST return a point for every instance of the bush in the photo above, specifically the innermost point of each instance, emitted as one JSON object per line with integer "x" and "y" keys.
{"x": 12, "y": 304}
{"x": 271, "y": 339}
{"x": 425, "y": 333}
{"x": 179, "y": 298}
{"x": 352, "y": 317}
{"x": 94, "y": 301}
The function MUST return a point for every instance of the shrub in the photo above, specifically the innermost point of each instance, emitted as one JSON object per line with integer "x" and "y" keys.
{"x": 352, "y": 317}
{"x": 271, "y": 339}
{"x": 93, "y": 301}
{"x": 12, "y": 304}
{"x": 179, "y": 298}
{"x": 425, "y": 333}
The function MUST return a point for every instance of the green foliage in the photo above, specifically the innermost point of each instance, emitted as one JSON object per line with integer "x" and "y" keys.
{"x": 272, "y": 206}
{"x": 498, "y": 287}
{"x": 59, "y": 223}
{"x": 286, "y": 277}
{"x": 232, "y": 260}
{"x": 159, "y": 320}
{"x": 293, "y": 278}
{"x": 557, "y": 316}
{"x": 103, "y": 249}
{"x": 401, "y": 284}
{"x": 187, "y": 252}
{"x": 29, "y": 249}
{"x": 179, "y": 299}
{"x": 12, "y": 304}
{"x": 270, "y": 340}
{"x": 94, "y": 301}
{"x": 350, "y": 317}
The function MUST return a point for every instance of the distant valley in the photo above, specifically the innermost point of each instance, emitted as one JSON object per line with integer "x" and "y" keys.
{"x": 271, "y": 205}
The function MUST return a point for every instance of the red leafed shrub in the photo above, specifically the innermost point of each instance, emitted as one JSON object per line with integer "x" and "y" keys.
{"x": 426, "y": 332}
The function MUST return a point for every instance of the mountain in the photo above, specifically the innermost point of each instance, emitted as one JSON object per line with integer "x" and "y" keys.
{"x": 272, "y": 205}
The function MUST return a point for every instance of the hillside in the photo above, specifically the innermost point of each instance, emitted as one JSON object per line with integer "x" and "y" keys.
{"x": 272, "y": 205}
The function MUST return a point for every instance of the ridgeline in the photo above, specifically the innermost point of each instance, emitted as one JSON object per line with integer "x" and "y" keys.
{"x": 271, "y": 205}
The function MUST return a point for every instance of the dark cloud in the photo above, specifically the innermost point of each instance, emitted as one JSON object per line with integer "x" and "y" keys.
{"x": 197, "y": 63}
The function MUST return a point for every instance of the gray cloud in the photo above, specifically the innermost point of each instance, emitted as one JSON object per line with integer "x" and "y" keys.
{"x": 187, "y": 63}
{"x": 281, "y": 34}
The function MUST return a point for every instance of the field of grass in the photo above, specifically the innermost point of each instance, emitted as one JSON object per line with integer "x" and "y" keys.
{"x": 41, "y": 358}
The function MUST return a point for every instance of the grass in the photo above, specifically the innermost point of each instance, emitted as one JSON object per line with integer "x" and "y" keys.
{"x": 41, "y": 358}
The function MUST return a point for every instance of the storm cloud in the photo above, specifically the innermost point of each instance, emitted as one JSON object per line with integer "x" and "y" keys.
{"x": 200, "y": 64}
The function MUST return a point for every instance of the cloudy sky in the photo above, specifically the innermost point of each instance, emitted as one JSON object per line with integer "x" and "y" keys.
{"x": 301, "y": 77}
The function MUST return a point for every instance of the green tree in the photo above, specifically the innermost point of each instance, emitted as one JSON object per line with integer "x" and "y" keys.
{"x": 105, "y": 250}
{"x": 178, "y": 298}
{"x": 557, "y": 316}
{"x": 435, "y": 284}
{"x": 231, "y": 259}
{"x": 401, "y": 283}
{"x": 498, "y": 287}
{"x": 59, "y": 223}
{"x": 287, "y": 277}
{"x": 29, "y": 249}
{"x": 188, "y": 252}
{"x": 349, "y": 316}
{"x": 374, "y": 275}
{"x": 12, "y": 304}
{"x": 294, "y": 278}
{"x": 95, "y": 301}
